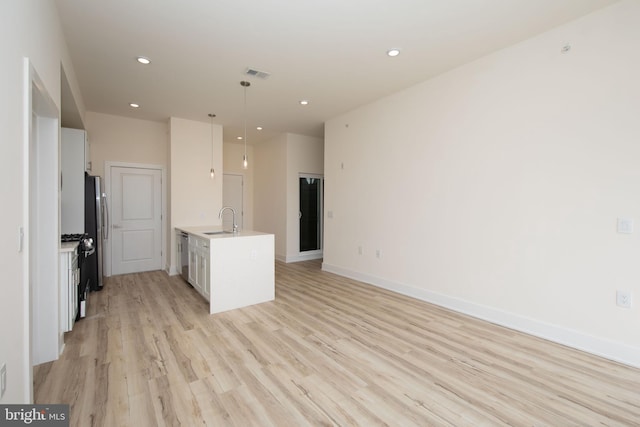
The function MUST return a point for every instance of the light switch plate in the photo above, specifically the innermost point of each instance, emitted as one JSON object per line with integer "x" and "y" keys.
{"x": 20, "y": 239}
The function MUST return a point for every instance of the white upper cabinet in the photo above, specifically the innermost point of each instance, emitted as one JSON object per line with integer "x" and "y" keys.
{"x": 72, "y": 165}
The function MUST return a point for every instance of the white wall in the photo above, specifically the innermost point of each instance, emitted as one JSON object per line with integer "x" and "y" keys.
{"x": 270, "y": 196}
{"x": 196, "y": 199}
{"x": 494, "y": 188}
{"x": 122, "y": 139}
{"x": 28, "y": 28}
{"x": 304, "y": 155}
{"x": 277, "y": 165}
{"x": 232, "y": 163}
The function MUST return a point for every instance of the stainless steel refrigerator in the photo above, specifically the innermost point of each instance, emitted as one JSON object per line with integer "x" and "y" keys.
{"x": 94, "y": 224}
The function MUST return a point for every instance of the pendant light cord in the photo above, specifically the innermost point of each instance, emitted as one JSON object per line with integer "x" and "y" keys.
{"x": 211, "y": 142}
{"x": 212, "y": 171}
{"x": 245, "y": 123}
{"x": 245, "y": 85}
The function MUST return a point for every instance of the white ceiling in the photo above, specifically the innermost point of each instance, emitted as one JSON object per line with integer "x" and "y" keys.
{"x": 331, "y": 52}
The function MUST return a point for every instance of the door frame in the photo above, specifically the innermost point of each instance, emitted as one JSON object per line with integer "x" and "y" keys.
{"x": 318, "y": 253}
{"x": 39, "y": 234}
{"x": 163, "y": 209}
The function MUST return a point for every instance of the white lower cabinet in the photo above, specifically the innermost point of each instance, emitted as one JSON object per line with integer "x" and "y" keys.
{"x": 69, "y": 281}
{"x": 199, "y": 265}
{"x": 178, "y": 259}
{"x": 193, "y": 263}
{"x": 204, "y": 276}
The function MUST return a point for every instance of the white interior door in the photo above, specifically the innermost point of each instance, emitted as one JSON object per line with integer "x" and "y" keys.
{"x": 232, "y": 187}
{"x": 136, "y": 219}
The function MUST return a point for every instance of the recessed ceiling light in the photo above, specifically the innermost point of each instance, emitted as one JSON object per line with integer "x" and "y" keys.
{"x": 259, "y": 128}
{"x": 143, "y": 60}
{"x": 238, "y": 137}
{"x": 304, "y": 102}
{"x": 134, "y": 105}
{"x": 393, "y": 52}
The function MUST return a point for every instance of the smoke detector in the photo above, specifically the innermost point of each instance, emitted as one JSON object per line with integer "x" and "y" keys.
{"x": 257, "y": 73}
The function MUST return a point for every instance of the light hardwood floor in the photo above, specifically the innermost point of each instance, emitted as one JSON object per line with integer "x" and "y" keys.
{"x": 327, "y": 351}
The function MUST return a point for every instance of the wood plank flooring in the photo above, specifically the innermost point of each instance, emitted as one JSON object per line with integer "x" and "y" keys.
{"x": 329, "y": 351}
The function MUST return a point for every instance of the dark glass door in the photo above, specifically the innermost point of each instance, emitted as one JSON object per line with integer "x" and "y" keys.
{"x": 310, "y": 214}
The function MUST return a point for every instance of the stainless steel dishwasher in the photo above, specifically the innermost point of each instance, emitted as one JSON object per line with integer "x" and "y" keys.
{"x": 184, "y": 256}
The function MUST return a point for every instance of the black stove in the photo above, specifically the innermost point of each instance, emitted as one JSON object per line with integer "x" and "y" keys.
{"x": 84, "y": 250}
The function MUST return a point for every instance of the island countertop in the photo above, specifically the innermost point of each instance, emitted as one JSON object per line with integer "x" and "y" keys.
{"x": 201, "y": 230}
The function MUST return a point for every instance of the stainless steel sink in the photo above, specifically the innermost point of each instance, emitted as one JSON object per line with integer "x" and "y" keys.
{"x": 212, "y": 233}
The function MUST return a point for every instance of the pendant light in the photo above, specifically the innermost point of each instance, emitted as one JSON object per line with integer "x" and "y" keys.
{"x": 212, "y": 172}
{"x": 245, "y": 85}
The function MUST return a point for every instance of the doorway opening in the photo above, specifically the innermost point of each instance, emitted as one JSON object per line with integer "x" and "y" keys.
{"x": 40, "y": 238}
{"x": 310, "y": 215}
{"x": 135, "y": 207}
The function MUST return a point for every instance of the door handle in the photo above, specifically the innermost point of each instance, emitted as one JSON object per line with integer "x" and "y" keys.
{"x": 105, "y": 221}
{"x": 116, "y": 226}
{"x": 299, "y": 214}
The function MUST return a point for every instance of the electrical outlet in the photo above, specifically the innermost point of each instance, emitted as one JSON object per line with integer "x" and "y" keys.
{"x": 359, "y": 250}
{"x": 625, "y": 225}
{"x": 623, "y": 299}
{"x": 3, "y": 379}
{"x": 378, "y": 253}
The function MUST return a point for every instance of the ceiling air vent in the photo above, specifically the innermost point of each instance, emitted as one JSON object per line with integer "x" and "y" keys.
{"x": 257, "y": 73}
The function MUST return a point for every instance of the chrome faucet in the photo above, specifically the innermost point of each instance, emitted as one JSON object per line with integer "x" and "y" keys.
{"x": 233, "y": 212}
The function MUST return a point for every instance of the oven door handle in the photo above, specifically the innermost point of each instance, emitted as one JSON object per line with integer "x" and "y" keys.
{"x": 89, "y": 252}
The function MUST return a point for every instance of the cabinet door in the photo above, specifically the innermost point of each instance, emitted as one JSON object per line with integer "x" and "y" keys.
{"x": 69, "y": 280}
{"x": 64, "y": 292}
{"x": 194, "y": 278}
{"x": 72, "y": 166}
{"x": 207, "y": 279}
{"x": 178, "y": 258}
{"x": 204, "y": 270}
{"x": 193, "y": 263}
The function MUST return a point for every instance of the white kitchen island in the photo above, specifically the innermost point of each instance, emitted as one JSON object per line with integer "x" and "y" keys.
{"x": 231, "y": 270}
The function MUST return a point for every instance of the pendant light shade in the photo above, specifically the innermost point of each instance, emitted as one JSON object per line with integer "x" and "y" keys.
{"x": 245, "y": 160}
{"x": 212, "y": 172}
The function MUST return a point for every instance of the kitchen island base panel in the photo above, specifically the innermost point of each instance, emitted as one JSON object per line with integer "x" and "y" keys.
{"x": 242, "y": 272}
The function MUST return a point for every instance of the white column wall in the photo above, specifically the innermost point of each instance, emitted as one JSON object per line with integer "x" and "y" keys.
{"x": 270, "y": 190}
{"x": 28, "y": 29}
{"x": 196, "y": 199}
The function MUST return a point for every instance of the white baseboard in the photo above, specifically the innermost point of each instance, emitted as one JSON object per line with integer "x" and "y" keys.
{"x": 602, "y": 347}
{"x": 305, "y": 257}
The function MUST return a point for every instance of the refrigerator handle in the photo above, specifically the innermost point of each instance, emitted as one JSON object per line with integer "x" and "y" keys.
{"x": 105, "y": 225}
